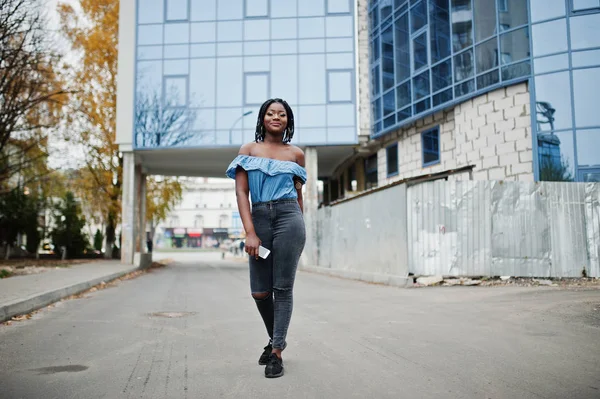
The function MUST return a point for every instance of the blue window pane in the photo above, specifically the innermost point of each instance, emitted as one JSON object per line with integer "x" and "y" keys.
{"x": 204, "y": 32}
{"x": 310, "y": 8}
{"x": 418, "y": 16}
{"x": 257, "y": 29}
{"x": 514, "y": 45}
{"x": 313, "y": 87}
{"x": 553, "y": 63}
{"x": 387, "y": 61}
{"x": 553, "y": 101}
{"x": 463, "y": 66}
{"x": 177, "y": 33}
{"x": 462, "y": 24}
{"x": 549, "y": 37}
{"x": 176, "y": 67}
{"x": 485, "y": 19}
{"x": 442, "y": 97}
{"x": 402, "y": 46}
{"x": 150, "y": 11}
{"x": 584, "y": 58}
{"x": 256, "y": 87}
{"x": 234, "y": 10}
{"x": 422, "y": 106}
{"x": 256, "y": 48}
{"x": 486, "y": 55}
{"x": 202, "y": 82}
{"x": 375, "y": 49}
{"x": 284, "y": 28}
{"x": 439, "y": 22}
{"x": 312, "y": 116}
{"x": 177, "y": 51}
{"x": 339, "y": 86}
{"x": 376, "y": 104}
{"x": 336, "y": 45}
{"x": 588, "y": 142}
{"x": 284, "y": 77}
{"x": 421, "y": 86}
{"x": 149, "y": 52}
{"x": 580, "y": 5}
{"x": 403, "y": 94}
{"x": 177, "y": 10}
{"x": 287, "y": 47}
{"x": 512, "y": 13}
{"x": 341, "y": 26}
{"x": 229, "y": 49}
{"x": 389, "y": 121}
{"x": 149, "y": 75}
{"x": 338, "y": 6}
{"x": 257, "y": 8}
{"x": 585, "y": 31}
{"x": 420, "y": 51}
{"x": 403, "y": 114}
{"x": 430, "y": 140}
{"x": 375, "y": 86}
{"x": 310, "y": 28}
{"x": 556, "y": 156}
{"x": 385, "y": 9}
{"x": 311, "y": 46}
{"x": 230, "y": 31}
{"x": 150, "y": 34}
{"x": 391, "y": 155}
{"x": 516, "y": 71}
{"x": 464, "y": 88}
{"x": 488, "y": 79}
{"x": 586, "y": 86}
{"x": 281, "y": 9}
{"x": 340, "y": 115}
{"x": 341, "y": 135}
{"x": 256, "y": 64}
{"x": 389, "y": 103}
{"x": 175, "y": 91}
{"x": 373, "y": 18}
{"x": 340, "y": 61}
{"x": 441, "y": 75}
{"x": 547, "y": 9}
{"x": 230, "y": 82}
{"x": 203, "y": 10}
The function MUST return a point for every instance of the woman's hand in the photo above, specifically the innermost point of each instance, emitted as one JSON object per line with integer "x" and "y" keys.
{"x": 252, "y": 244}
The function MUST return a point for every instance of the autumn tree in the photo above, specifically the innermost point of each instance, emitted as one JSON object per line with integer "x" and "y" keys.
{"x": 31, "y": 91}
{"x": 93, "y": 33}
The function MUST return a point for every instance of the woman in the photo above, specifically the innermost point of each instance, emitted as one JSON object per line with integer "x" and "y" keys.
{"x": 272, "y": 171}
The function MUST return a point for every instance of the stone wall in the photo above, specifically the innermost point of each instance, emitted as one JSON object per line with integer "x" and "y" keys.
{"x": 492, "y": 132}
{"x": 364, "y": 86}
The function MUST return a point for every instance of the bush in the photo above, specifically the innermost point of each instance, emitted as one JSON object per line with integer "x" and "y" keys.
{"x": 69, "y": 228}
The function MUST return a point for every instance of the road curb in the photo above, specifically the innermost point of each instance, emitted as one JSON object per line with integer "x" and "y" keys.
{"x": 369, "y": 277}
{"x": 38, "y": 301}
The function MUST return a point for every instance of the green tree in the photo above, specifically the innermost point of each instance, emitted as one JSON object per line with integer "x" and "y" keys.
{"x": 68, "y": 232}
{"x": 553, "y": 171}
{"x": 98, "y": 240}
{"x": 19, "y": 210}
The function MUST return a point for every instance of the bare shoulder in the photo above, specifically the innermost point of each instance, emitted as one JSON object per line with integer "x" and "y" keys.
{"x": 246, "y": 149}
{"x": 299, "y": 155}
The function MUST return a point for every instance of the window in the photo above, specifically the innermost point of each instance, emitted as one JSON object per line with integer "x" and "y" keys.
{"x": 503, "y": 5}
{"x": 176, "y": 10}
{"x": 224, "y": 221}
{"x": 338, "y": 6}
{"x": 582, "y": 5}
{"x": 430, "y": 140}
{"x": 392, "y": 159}
{"x": 256, "y": 87}
{"x": 256, "y": 8}
{"x": 175, "y": 91}
{"x": 371, "y": 171}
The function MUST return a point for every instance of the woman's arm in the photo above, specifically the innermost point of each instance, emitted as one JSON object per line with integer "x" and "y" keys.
{"x": 242, "y": 191}
{"x": 300, "y": 161}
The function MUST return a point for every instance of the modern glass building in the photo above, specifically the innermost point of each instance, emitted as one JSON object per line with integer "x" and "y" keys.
{"x": 434, "y": 57}
{"x": 208, "y": 65}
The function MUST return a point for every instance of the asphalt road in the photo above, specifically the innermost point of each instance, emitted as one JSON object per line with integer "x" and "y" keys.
{"x": 347, "y": 340}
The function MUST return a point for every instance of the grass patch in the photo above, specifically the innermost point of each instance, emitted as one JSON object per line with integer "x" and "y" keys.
{"x": 5, "y": 273}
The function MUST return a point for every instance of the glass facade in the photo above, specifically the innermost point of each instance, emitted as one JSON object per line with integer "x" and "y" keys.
{"x": 431, "y": 54}
{"x": 203, "y": 68}
{"x": 566, "y": 70}
{"x": 427, "y": 54}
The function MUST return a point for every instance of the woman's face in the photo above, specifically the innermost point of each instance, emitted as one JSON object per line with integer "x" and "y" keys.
{"x": 275, "y": 119}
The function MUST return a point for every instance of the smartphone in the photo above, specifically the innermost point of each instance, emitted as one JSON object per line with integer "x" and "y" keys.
{"x": 263, "y": 252}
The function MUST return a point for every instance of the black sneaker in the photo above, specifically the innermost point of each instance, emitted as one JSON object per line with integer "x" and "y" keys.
{"x": 274, "y": 368}
{"x": 264, "y": 358}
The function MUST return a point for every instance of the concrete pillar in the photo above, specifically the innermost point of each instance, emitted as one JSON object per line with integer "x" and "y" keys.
{"x": 142, "y": 214}
{"x": 129, "y": 214}
{"x": 360, "y": 175}
{"x": 311, "y": 204}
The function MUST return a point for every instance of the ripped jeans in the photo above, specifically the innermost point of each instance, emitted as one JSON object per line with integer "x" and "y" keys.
{"x": 280, "y": 227}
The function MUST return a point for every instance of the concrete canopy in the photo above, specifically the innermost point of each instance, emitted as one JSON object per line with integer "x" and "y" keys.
{"x": 212, "y": 162}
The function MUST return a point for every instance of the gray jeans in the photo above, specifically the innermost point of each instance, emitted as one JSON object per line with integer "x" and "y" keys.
{"x": 280, "y": 227}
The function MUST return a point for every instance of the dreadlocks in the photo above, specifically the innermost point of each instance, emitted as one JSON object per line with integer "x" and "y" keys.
{"x": 260, "y": 128}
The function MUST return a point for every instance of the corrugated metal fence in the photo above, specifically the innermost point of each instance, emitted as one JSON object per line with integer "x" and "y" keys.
{"x": 467, "y": 228}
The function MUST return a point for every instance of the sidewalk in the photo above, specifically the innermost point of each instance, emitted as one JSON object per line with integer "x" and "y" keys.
{"x": 24, "y": 294}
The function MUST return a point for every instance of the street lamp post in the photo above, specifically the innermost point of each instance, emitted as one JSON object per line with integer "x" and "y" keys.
{"x": 235, "y": 123}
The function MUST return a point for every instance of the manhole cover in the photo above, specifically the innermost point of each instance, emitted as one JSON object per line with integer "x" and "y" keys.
{"x": 172, "y": 315}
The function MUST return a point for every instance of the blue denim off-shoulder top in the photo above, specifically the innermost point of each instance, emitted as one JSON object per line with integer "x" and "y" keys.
{"x": 268, "y": 179}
